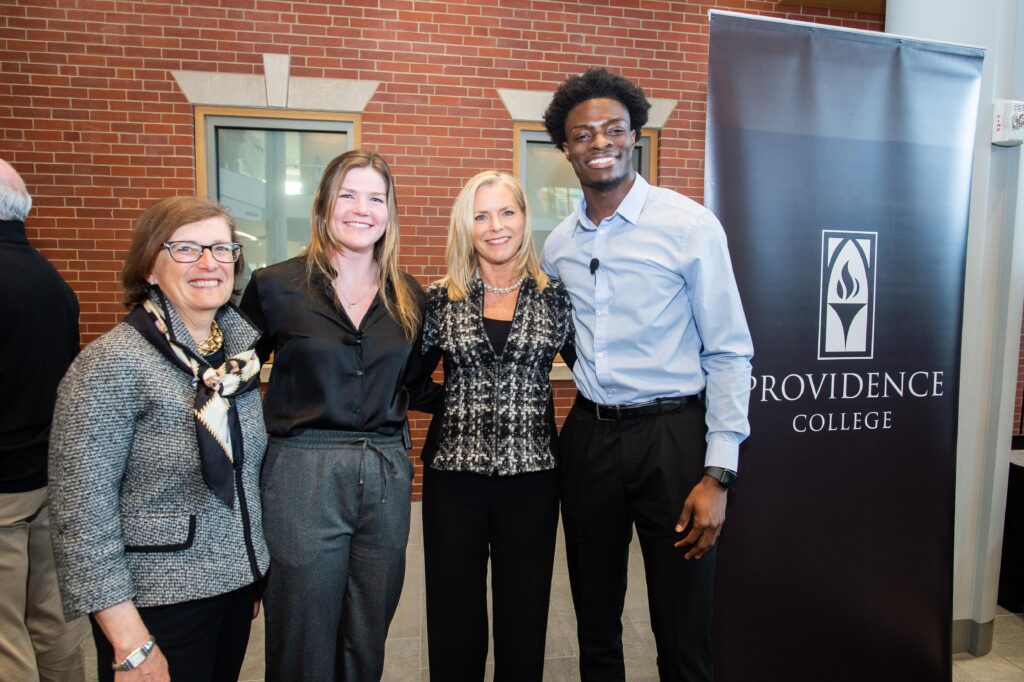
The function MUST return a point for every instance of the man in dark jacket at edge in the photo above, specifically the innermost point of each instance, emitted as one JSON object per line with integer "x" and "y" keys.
{"x": 38, "y": 341}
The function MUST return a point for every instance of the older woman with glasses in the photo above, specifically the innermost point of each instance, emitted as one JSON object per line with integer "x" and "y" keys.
{"x": 155, "y": 458}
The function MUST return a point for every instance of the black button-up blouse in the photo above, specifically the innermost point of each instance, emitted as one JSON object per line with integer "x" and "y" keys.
{"x": 328, "y": 374}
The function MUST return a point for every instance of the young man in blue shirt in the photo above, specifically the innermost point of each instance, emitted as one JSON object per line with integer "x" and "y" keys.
{"x": 663, "y": 373}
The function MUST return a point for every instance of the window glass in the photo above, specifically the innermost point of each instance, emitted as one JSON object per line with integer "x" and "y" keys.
{"x": 552, "y": 189}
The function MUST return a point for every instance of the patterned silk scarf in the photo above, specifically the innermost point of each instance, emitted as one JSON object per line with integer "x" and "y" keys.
{"x": 215, "y": 418}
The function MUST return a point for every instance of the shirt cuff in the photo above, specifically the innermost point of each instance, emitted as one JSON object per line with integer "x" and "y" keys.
{"x": 722, "y": 452}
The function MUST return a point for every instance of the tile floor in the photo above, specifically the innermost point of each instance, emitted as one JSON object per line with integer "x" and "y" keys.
{"x": 1006, "y": 660}
{"x": 407, "y": 640}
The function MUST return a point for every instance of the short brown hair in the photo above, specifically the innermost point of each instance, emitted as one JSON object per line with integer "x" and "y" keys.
{"x": 154, "y": 227}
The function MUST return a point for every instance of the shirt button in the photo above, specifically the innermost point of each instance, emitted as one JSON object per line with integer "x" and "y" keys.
{"x": 600, "y": 355}
{"x": 359, "y": 372}
{"x": 355, "y": 410}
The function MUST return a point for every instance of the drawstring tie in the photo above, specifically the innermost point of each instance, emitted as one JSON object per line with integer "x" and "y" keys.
{"x": 381, "y": 459}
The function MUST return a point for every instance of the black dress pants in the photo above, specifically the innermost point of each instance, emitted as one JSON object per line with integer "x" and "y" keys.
{"x": 617, "y": 474}
{"x": 203, "y": 640}
{"x": 513, "y": 520}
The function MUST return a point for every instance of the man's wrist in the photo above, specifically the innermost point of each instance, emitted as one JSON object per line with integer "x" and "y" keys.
{"x": 724, "y": 477}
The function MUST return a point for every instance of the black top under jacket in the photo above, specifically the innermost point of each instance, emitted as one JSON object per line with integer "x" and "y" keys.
{"x": 327, "y": 374}
{"x": 38, "y": 341}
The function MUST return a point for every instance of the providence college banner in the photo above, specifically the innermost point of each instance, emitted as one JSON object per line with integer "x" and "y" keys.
{"x": 840, "y": 164}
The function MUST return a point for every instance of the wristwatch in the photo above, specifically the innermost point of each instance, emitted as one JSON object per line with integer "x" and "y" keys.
{"x": 135, "y": 658}
{"x": 726, "y": 477}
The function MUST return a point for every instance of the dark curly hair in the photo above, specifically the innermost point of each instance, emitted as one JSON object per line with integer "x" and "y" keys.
{"x": 593, "y": 84}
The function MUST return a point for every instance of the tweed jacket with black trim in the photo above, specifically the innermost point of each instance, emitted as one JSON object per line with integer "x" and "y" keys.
{"x": 497, "y": 418}
{"x": 132, "y": 518}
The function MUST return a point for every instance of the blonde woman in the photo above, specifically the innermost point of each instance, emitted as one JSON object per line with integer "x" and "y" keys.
{"x": 491, "y": 483}
{"x": 342, "y": 321}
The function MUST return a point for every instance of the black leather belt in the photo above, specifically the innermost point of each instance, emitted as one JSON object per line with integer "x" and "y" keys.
{"x": 619, "y": 412}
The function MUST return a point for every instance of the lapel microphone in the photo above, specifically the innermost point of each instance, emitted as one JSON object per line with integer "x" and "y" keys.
{"x": 594, "y": 265}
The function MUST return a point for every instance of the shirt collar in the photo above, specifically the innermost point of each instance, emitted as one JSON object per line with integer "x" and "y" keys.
{"x": 13, "y": 231}
{"x": 629, "y": 209}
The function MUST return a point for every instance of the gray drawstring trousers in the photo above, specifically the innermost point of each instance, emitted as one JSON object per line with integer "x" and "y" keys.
{"x": 336, "y": 519}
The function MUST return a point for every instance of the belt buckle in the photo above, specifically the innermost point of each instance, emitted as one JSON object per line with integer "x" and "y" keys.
{"x": 597, "y": 413}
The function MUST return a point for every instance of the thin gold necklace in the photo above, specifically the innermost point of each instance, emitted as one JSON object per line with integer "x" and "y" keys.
{"x": 352, "y": 304}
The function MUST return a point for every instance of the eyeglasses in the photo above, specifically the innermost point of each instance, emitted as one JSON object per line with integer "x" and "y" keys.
{"x": 190, "y": 252}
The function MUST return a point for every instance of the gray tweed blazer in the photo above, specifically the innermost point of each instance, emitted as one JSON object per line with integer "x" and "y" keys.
{"x": 131, "y": 515}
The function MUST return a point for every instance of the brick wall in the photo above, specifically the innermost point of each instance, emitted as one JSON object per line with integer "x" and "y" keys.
{"x": 91, "y": 117}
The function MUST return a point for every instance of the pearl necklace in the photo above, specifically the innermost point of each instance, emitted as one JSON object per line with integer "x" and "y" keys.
{"x": 501, "y": 291}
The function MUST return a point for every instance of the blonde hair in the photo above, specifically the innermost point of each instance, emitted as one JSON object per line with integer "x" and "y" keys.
{"x": 460, "y": 255}
{"x": 397, "y": 291}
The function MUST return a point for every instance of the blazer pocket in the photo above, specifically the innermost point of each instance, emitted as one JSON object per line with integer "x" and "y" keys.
{"x": 158, "y": 533}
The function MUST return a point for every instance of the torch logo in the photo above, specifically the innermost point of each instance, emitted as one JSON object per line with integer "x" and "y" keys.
{"x": 846, "y": 316}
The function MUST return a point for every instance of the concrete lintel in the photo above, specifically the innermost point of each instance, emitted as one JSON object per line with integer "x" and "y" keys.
{"x": 330, "y": 94}
{"x": 525, "y": 105}
{"x": 275, "y": 68}
{"x": 223, "y": 89}
{"x": 661, "y": 109}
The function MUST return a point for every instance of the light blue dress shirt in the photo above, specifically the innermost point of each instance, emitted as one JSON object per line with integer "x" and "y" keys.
{"x": 661, "y": 317}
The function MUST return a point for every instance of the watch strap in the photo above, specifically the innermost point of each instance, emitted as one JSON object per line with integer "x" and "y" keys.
{"x": 726, "y": 477}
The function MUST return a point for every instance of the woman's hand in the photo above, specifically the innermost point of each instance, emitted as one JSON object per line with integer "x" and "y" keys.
{"x": 255, "y": 607}
{"x": 123, "y": 627}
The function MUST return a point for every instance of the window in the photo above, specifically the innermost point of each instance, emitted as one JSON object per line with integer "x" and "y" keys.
{"x": 550, "y": 183}
{"x": 264, "y": 166}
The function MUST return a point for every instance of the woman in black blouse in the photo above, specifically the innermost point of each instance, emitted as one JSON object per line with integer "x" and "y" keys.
{"x": 490, "y": 484}
{"x": 342, "y": 321}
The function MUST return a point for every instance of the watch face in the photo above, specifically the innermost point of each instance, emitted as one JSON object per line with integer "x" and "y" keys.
{"x": 135, "y": 658}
